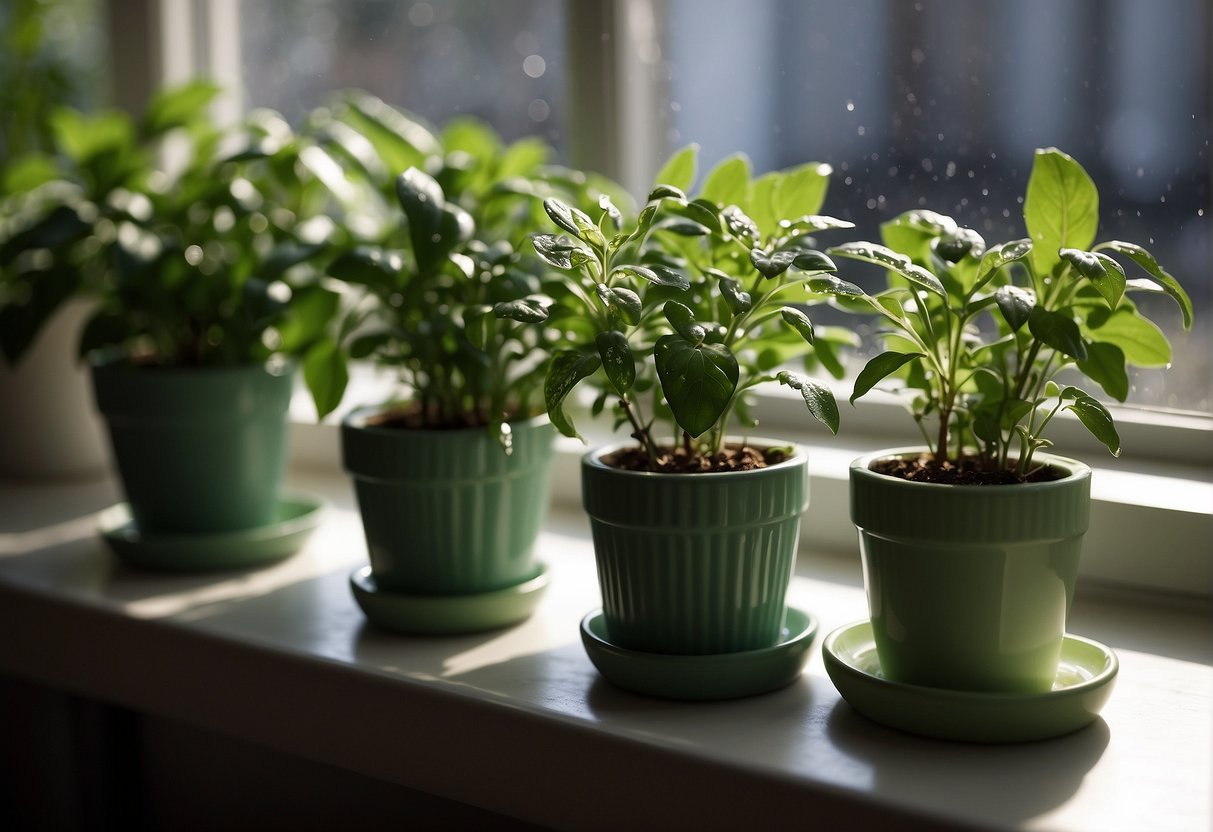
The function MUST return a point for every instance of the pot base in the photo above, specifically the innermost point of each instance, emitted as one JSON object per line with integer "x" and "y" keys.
{"x": 434, "y": 615}
{"x": 1083, "y": 684}
{"x": 296, "y": 516}
{"x": 702, "y": 677}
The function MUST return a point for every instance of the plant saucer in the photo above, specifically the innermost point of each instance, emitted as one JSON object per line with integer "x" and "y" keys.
{"x": 435, "y": 615}
{"x": 702, "y": 677}
{"x": 296, "y": 516}
{"x": 1085, "y": 674}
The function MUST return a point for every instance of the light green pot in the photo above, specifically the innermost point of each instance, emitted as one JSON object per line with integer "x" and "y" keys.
{"x": 695, "y": 563}
{"x": 969, "y": 586}
{"x": 448, "y": 512}
{"x": 199, "y": 450}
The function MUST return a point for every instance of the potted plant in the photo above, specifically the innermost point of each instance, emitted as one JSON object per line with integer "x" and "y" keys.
{"x": 970, "y": 544}
{"x": 451, "y": 476}
{"x": 202, "y": 289}
{"x": 675, "y": 316}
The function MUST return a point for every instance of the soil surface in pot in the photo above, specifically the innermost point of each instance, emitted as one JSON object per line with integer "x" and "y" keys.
{"x": 679, "y": 461}
{"x": 966, "y": 471}
{"x": 411, "y": 417}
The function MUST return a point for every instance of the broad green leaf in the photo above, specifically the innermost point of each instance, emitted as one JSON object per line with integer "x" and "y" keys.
{"x": 1105, "y": 274}
{"x": 480, "y": 324}
{"x": 82, "y": 138}
{"x": 701, "y": 212}
{"x": 325, "y": 373}
{"x": 798, "y": 321}
{"x": 683, "y": 320}
{"x": 771, "y": 265}
{"x": 817, "y": 398}
{"x": 566, "y": 369}
{"x": 1016, "y": 305}
{"x": 829, "y": 285}
{"x": 998, "y": 257}
{"x": 26, "y": 172}
{"x": 814, "y": 222}
{"x": 698, "y": 382}
{"x": 559, "y": 251}
{"x": 617, "y": 361}
{"x": 178, "y": 106}
{"x": 522, "y": 158}
{"x": 621, "y": 300}
{"x": 760, "y": 202}
{"x": 801, "y": 190}
{"x": 739, "y": 301}
{"x": 953, "y": 246}
{"x": 879, "y": 255}
{"x": 402, "y": 141}
{"x": 667, "y": 192}
{"x": 1061, "y": 208}
{"x": 613, "y": 213}
{"x": 1169, "y": 284}
{"x": 567, "y": 217}
{"x": 1095, "y": 417}
{"x": 728, "y": 182}
{"x": 654, "y": 274}
{"x": 368, "y": 266}
{"x": 523, "y": 310}
{"x": 739, "y": 224}
{"x": 1058, "y": 331}
{"x": 813, "y": 261}
{"x": 1105, "y": 364}
{"x": 364, "y": 345}
{"x": 311, "y": 311}
{"x": 1142, "y": 342}
{"x": 679, "y": 171}
{"x": 434, "y": 228}
{"x": 879, "y": 368}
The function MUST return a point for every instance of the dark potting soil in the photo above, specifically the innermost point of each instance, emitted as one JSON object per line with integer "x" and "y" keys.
{"x": 966, "y": 471}
{"x": 678, "y": 461}
{"x": 410, "y": 417}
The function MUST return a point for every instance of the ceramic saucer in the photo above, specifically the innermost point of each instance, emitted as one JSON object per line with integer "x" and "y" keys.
{"x": 296, "y": 517}
{"x": 714, "y": 676}
{"x": 1084, "y": 680}
{"x": 447, "y": 614}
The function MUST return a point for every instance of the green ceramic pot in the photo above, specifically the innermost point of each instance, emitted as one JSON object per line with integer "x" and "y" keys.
{"x": 694, "y": 564}
{"x": 448, "y": 512}
{"x": 969, "y": 586}
{"x": 199, "y": 450}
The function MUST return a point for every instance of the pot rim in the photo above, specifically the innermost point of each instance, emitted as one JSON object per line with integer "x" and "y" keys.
{"x": 860, "y": 468}
{"x": 114, "y": 360}
{"x": 356, "y": 420}
{"x": 593, "y": 459}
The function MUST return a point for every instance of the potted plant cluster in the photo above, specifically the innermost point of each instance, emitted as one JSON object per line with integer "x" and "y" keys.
{"x": 451, "y": 477}
{"x": 675, "y": 315}
{"x": 202, "y": 289}
{"x": 970, "y": 544}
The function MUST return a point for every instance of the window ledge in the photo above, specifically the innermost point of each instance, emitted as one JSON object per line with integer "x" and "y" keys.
{"x": 518, "y": 722}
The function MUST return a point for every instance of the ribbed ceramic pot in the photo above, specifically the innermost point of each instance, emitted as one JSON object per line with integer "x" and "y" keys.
{"x": 448, "y": 512}
{"x": 969, "y": 586}
{"x": 199, "y": 450}
{"x": 694, "y": 563}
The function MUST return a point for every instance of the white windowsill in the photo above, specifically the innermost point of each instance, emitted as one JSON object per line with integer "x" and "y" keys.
{"x": 518, "y": 722}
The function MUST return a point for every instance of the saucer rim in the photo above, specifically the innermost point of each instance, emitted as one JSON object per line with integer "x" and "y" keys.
{"x": 116, "y": 523}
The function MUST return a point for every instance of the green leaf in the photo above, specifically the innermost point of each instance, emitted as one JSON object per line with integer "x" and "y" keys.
{"x": 667, "y": 192}
{"x": 739, "y": 224}
{"x": 617, "y": 361}
{"x": 739, "y": 301}
{"x": 998, "y": 257}
{"x": 1094, "y": 417}
{"x": 1142, "y": 342}
{"x": 368, "y": 266}
{"x": 562, "y": 215}
{"x": 1105, "y": 364}
{"x": 727, "y": 183}
{"x": 613, "y": 213}
{"x": 771, "y": 265}
{"x": 830, "y": 285}
{"x": 1058, "y": 331}
{"x": 660, "y": 275}
{"x": 1105, "y": 274}
{"x": 566, "y": 369}
{"x": 798, "y": 321}
{"x": 83, "y": 138}
{"x": 364, "y": 345}
{"x": 817, "y": 398}
{"x": 435, "y": 228}
{"x": 621, "y": 300}
{"x": 1016, "y": 305}
{"x": 560, "y": 251}
{"x": 801, "y": 190}
{"x": 523, "y": 310}
{"x": 879, "y": 368}
{"x": 325, "y": 373}
{"x": 1061, "y": 208}
{"x": 311, "y": 311}
{"x": 178, "y": 106}
{"x": 1169, "y": 284}
{"x": 480, "y": 325}
{"x": 698, "y": 382}
{"x": 879, "y": 255}
{"x": 813, "y": 261}
{"x": 679, "y": 171}
{"x": 683, "y": 320}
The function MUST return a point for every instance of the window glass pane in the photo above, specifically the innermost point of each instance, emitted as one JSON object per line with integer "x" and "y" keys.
{"x": 940, "y": 104}
{"x": 499, "y": 61}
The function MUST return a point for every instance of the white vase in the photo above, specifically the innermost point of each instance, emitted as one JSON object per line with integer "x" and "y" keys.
{"x": 49, "y": 428}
